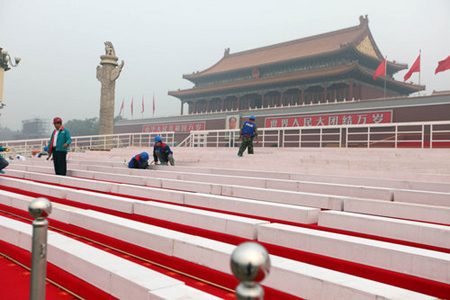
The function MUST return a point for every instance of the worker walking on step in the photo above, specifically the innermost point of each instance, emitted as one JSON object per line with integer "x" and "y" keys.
{"x": 139, "y": 161}
{"x": 248, "y": 131}
{"x": 162, "y": 153}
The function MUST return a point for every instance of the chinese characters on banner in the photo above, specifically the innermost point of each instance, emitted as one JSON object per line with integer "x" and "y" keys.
{"x": 177, "y": 128}
{"x": 337, "y": 119}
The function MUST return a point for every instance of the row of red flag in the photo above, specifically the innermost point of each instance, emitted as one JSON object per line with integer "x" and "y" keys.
{"x": 143, "y": 107}
{"x": 443, "y": 65}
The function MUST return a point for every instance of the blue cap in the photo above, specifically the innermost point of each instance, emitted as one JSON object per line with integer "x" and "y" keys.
{"x": 157, "y": 139}
{"x": 252, "y": 117}
{"x": 144, "y": 155}
{"x": 46, "y": 148}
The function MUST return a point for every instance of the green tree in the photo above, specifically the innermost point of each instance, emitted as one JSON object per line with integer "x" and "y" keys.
{"x": 118, "y": 118}
{"x": 82, "y": 127}
{"x": 86, "y": 126}
{"x": 7, "y": 134}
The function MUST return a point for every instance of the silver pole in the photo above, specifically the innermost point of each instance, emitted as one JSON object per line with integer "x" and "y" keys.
{"x": 250, "y": 263}
{"x": 39, "y": 209}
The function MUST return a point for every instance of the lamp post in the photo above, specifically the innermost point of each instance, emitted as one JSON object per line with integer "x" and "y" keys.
{"x": 6, "y": 62}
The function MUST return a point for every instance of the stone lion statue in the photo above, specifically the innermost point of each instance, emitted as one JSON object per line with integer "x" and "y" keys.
{"x": 109, "y": 48}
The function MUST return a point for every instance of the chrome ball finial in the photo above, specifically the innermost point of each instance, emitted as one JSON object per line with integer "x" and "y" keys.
{"x": 40, "y": 208}
{"x": 250, "y": 263}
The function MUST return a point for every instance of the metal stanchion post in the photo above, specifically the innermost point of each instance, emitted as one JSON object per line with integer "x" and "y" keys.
{"x": 39, "y": 209}
{"x": 250, "y": 263}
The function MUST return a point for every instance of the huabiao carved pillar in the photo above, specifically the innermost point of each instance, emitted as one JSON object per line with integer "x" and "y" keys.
{"x": 107, "y": 74}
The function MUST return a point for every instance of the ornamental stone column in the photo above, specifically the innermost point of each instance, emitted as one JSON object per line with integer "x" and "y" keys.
{"x": 107, "y": 74}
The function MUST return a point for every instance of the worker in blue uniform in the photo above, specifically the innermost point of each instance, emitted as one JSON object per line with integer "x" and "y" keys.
{"x": 248, "y": 131}
{"x": 162, "y": 152}
{"x": 139, "y": 161}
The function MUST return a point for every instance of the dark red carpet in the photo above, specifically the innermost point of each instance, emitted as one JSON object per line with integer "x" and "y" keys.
{"x": 15, "y": 279}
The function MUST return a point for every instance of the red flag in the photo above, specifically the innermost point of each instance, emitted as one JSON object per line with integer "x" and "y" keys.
{"x": 415, "y": 68}
{"x": 142, "y": 104}
{"x": 443, "y": 65}
{"x": 153, "y": 104}
{"x": 132, "y": 106}
{"x": 121, "y": 108}
{"x": 380, "y": 71}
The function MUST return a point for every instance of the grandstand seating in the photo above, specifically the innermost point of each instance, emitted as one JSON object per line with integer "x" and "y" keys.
{"x": 338, "y": 223}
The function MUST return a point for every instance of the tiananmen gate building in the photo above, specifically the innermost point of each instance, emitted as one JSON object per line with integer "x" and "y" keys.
{"x": 333, "y": 66}
{"x": 326, "y": 79}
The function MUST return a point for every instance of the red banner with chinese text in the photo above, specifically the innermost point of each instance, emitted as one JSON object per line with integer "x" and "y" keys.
{"x": 177, "y": 128}
{"x": 330, "y": 120}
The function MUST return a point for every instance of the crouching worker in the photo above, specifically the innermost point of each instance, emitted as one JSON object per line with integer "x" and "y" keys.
{"x": 139, "y": 161}
{"x": 3, "y": 162}
{"x": 162, "y": 152}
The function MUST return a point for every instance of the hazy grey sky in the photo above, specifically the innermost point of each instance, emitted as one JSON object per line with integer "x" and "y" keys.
{"x": 60, "y": 42}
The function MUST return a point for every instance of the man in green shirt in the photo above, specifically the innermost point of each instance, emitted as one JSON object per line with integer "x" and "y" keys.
{"x": 58, "y": 146}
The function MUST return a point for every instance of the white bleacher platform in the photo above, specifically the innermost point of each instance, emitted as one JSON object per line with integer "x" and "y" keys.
{"x": 288, "y": 198}
{"x": 194, "y": 249}
{"x": 115, "y": 275}
{"x": 422, "y": 263}
{"x": 416, "y": 232}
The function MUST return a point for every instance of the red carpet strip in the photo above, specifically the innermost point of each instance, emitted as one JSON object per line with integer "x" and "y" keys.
{"x": 15, "y": 279}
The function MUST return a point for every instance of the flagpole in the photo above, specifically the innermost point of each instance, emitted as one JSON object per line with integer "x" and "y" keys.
{"x": 420, "y": 69}
{"x": 121, "y": 107}
{"x": 153, "y": 105}
{"x": 142, "y": 110}
{"x": 385, "y": 75}
{"x": 132, "y": 107}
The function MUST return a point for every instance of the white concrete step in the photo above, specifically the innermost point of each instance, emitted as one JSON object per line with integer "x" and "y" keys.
{"x": 266, "y": 209}
{"x": 407, "y": 211}
{"x": 216, "y": 255}
{"x": 213, "y": 221}
{"x": 412, "y": 261}
{"x": 114, "y": 275}
{"x": 404, "y": 230}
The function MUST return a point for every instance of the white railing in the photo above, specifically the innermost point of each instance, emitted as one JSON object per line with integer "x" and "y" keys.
{"x": 393, "y": 135}
{"x": 93, "y": 142}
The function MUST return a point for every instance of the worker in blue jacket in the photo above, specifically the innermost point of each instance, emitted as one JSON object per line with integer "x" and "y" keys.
{"x": 162, "y": 152}
{"x": 139, "y": 161}
{"x": 3, "y": 162}
{"x": 248, "y": 131}
{"x": 58, "y": 146}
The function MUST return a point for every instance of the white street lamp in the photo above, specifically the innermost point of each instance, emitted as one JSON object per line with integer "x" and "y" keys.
{"x": 6, "y": 61}
{"x": 5, "y": 64}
